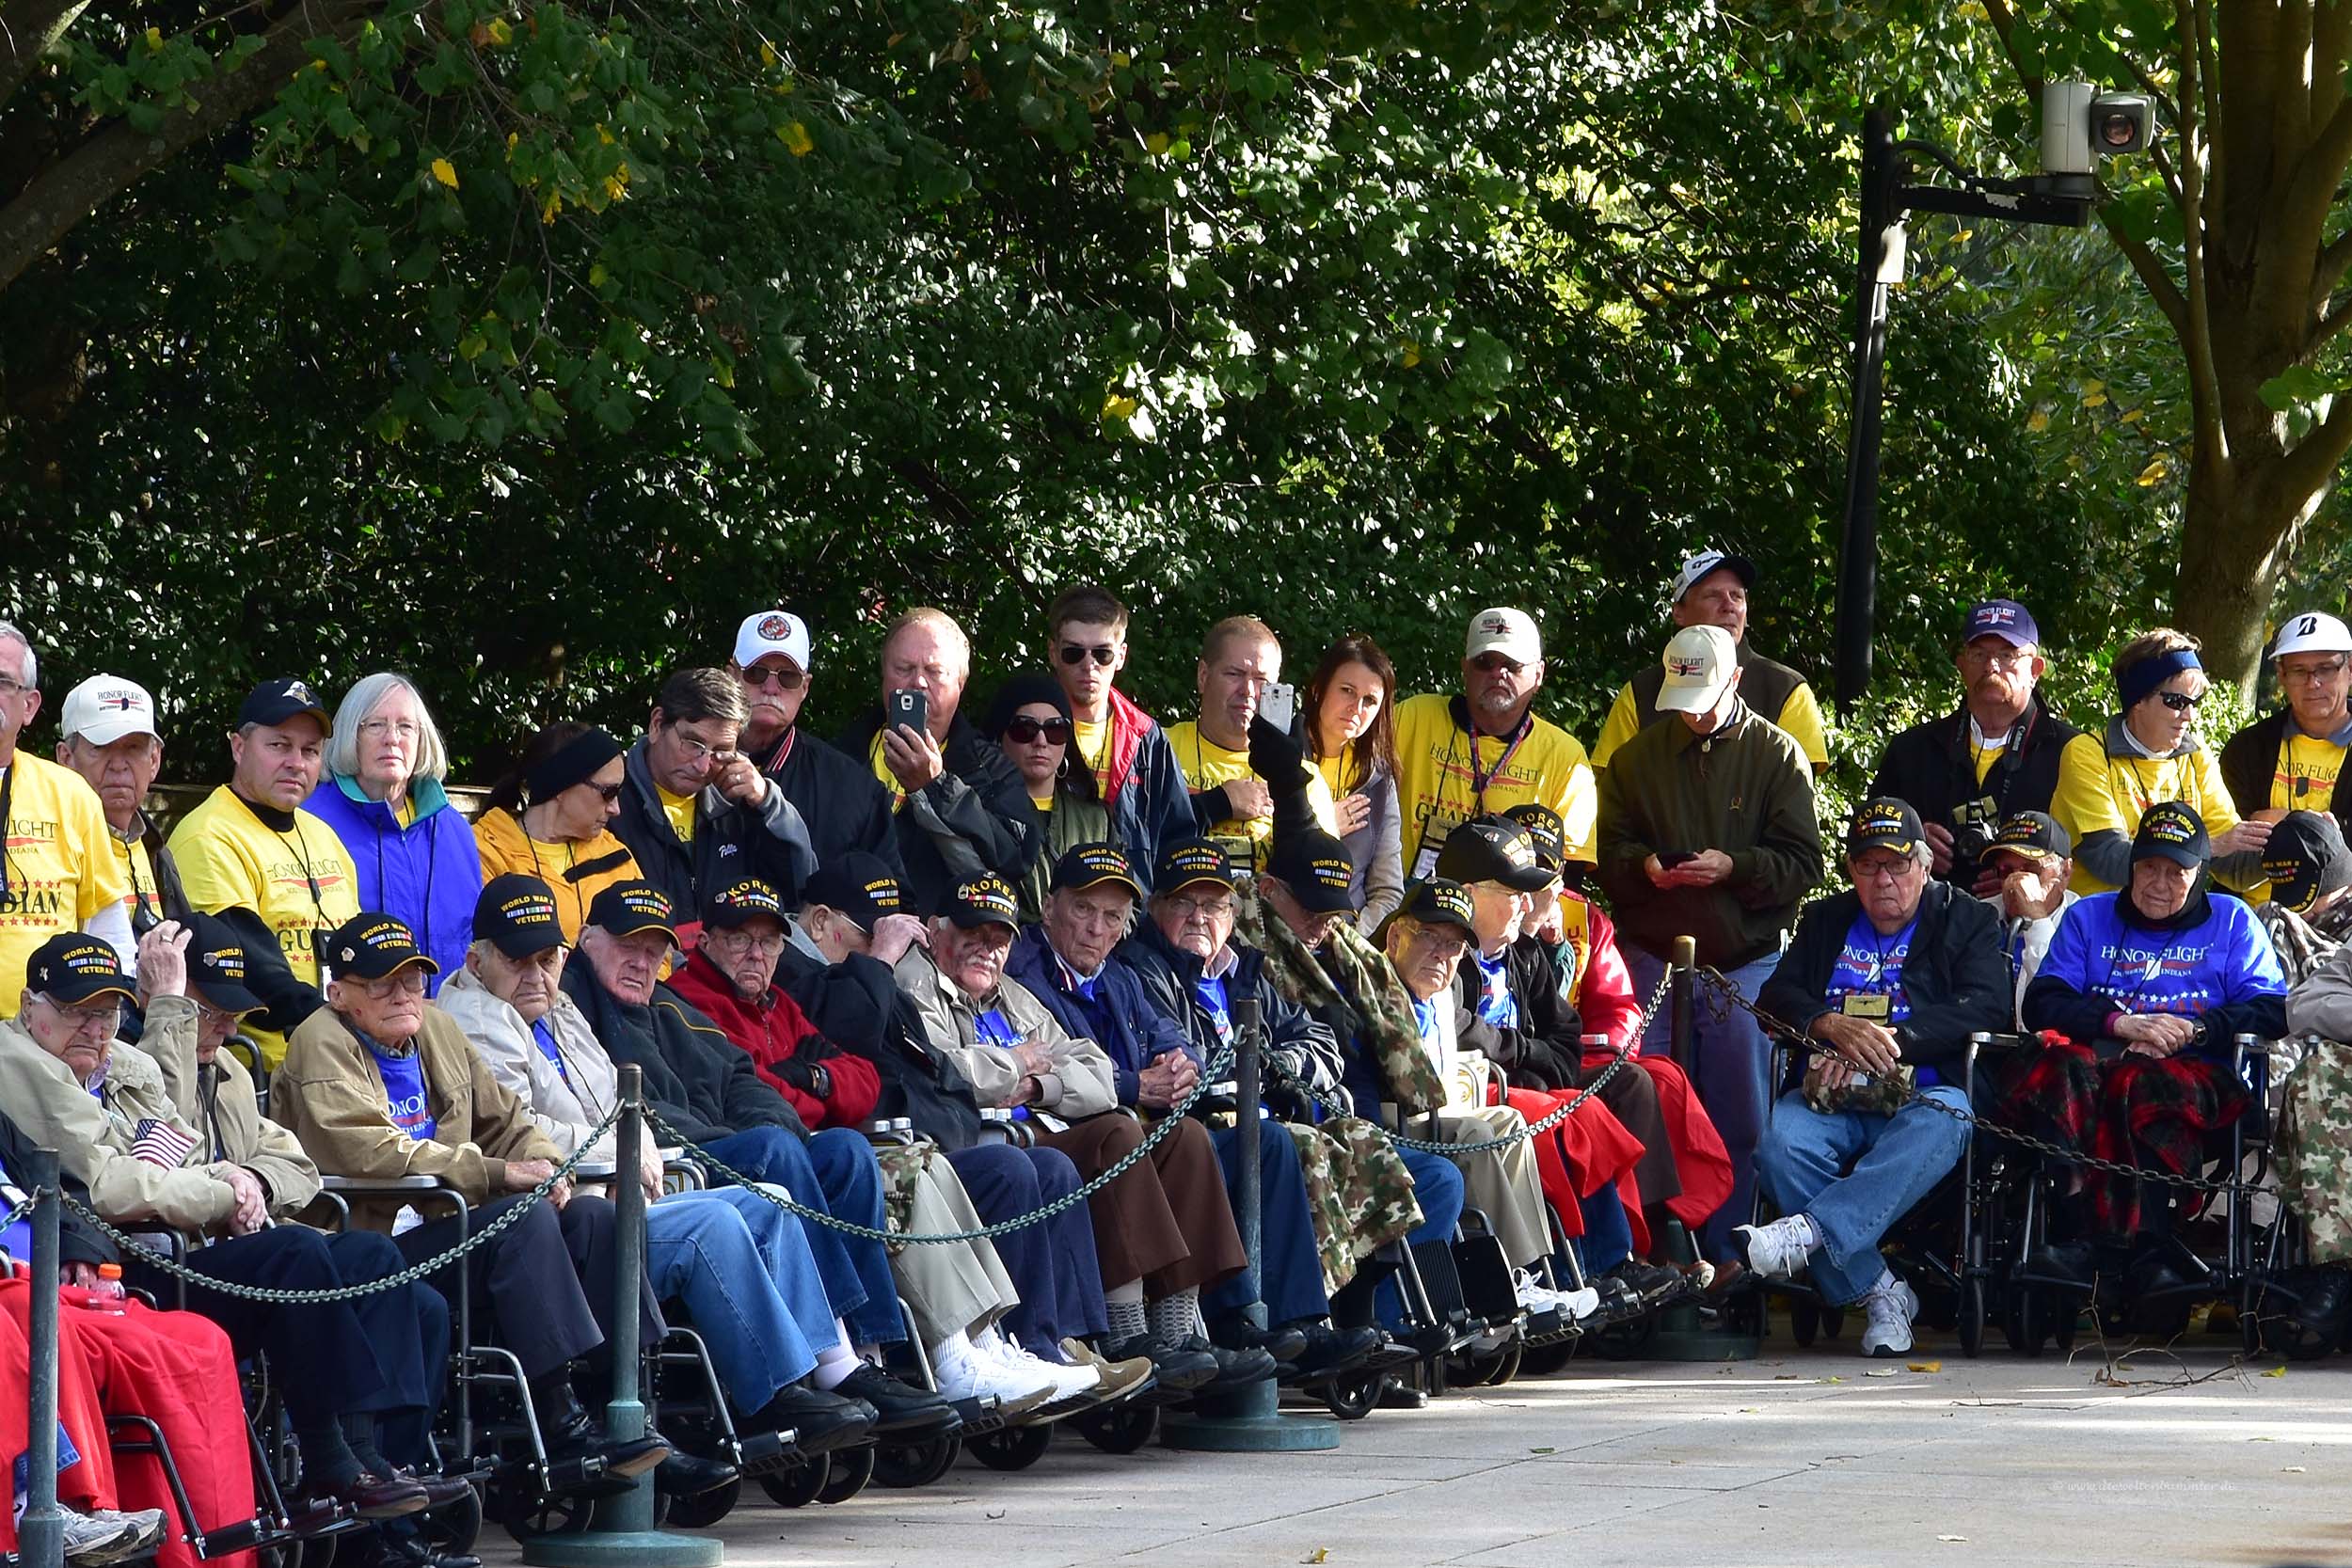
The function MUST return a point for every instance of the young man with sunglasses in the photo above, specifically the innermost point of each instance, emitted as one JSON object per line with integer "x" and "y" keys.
{"x": 843, "y": 805}
{"x": 1486, "y": 749}
{"x": 2291, "y": 760}
{"x": 1134, "y": 768}
{"x": 1711, "y": 590}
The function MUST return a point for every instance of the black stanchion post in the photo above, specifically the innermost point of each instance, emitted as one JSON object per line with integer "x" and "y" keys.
{"x": 1682, "y": 993}
{"x": 1248, "y": 1022}
{"x": 40, "y": 1536}
{"x": 1682, "y": 1334}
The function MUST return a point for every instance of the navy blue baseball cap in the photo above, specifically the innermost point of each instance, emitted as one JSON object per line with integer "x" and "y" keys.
{"x": 2003, "y": 618}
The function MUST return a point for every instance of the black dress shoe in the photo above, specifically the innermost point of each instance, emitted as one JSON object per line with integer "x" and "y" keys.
{"x": 2068, "y": 1262}
{"x": 1335, "y": 1350}
{"x": 395, "y": 1548}
{"x": 439, "y": 1491}
{"x": 820, "y": 1422}
{"x": 901, "y": 1410}
{"x": 690, "y": 1475}
{"x": 2323, "y": 1301}
{"x": 379, "y": 1497}
{"x": 1655, "y": 1283}
{"x": 1283, "y": 1344}
{"x": 1235, "y": 1369}
{"x": 1174, "y": 1369}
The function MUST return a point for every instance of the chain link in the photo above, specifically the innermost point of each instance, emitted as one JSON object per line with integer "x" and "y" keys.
{"x": 1117, "y": 1168}
{"x": 1787, "y": 1030}
{"x": 132, "y": 1248}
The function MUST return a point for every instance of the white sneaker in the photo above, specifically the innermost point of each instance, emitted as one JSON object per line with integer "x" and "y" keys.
{"x": 1068, "y": 1382}
{"x": 1535, "y": 1297}
{"x": 102, "y": 1535}
{"x": 1892, "y": 1305}
{"x": 1779, "y": 1249}
{"x": 973, "y": 1375}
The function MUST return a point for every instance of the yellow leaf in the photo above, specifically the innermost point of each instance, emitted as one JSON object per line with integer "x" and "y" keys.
{"x": 2276, "y": 1371}
{"x": 2132, "y": 415}
{"x": 512, "y": 138}
{"x": 2039, "y": 420}
{"x": 604, "y": 135}
{"x": 1121, "y": 57}
{"x": 598, "y": 277}
{"x": 1156, "y": 143}
{"x": 768, "y": 54}
{"x": 1321, "y": 1554}
{"x": 796, "y": 139}
{"x": 500, "y": 32}
{"x": 2158, "y": 468}
{"x": 445, "y": 173}
{"x": 616, "y": 184}
{"x": 1412, "y": 352}
{"x": 2096, "y": 400}
{"x": 1117, "y": 407}
{"x": 555, "y": 205}
{"x": 154, "y": 38}
{"x": 1925, "y": 1366}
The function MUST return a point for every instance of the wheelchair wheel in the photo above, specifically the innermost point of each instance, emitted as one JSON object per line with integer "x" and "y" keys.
{"x": 1355, "y": 1396}
{"x": 846, "y": 1473}
{"x": 1012, "y": 1448}
{"x": 1804, "y": 1321}
{"x": 527, "y": 1516}
{"x": 2025, "y": 1326}
{"x": 453, "y": 1529}
{"x": 1545, "y": 1360}
{"x": 1628, "y": 1342}
{"x": 795, "y": 1485}
{"x": 1971, "y": 1316}
{"x": 919, "y": 1465}
{"x": 1122, "y": 1428}
{"x": 1491, "y": 1370}
{"x": 705, "y": 1509}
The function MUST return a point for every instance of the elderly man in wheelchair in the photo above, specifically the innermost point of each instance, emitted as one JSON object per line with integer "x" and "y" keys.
{"x": 1885, "y": 983}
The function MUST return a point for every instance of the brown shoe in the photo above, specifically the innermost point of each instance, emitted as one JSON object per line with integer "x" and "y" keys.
{"x": 1119, "y": 1378}
{"x": 1728, "y": 1273}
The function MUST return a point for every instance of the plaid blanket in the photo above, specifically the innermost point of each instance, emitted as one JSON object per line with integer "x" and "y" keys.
{"x": 2152, "y": 1112}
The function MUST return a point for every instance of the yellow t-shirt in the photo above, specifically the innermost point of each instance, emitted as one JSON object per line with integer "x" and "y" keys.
{"x": 300, "y": 882}
{"x": 1985, "y": 757}
{"x": 138, "y": 869}
{"x": 679, "y": 809}
{"x": 1207, "y": 764}
{"x": 881, "y": 772}
{"x": 1042, "y": 803}
{"x": 1093, "y": 743}
{"x": 61, "y": 870}
{"x": 1800, "y": 716}
{"x": 2303, "y": 778}
{"x": 1437, "y": 784}
{"x": 2098, "y": 793}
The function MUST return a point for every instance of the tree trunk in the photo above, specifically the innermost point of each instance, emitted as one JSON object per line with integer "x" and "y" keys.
{"x": 2231, "y": 556}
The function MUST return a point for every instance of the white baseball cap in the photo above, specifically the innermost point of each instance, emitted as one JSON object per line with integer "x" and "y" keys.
{"x": 1509, "y": 632}
{"x": 771, "y": 631}
{"x": 104, "y": 708}
{"x": 2311, "y": 633}
{"x": 1705, "y": 562}
{"x": 1699, "y": 665}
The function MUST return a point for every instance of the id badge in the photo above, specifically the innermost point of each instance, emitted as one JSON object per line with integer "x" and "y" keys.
{"x": 1434, "y": 831}
{"x": 1875, "y": 1007}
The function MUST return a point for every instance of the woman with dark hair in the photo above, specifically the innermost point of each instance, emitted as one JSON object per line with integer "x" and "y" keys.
{"x": 549, "y": 817}
{"x": 1351, "y": 738}
{"x": 1030, "y": 721}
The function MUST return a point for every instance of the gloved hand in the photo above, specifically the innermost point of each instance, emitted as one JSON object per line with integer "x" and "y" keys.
{"x": 1276, "y": 758}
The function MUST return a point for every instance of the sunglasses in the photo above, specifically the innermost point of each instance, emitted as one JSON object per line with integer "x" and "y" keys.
{"x": 776, "y": 680}
{"x": 1023, "y": 730}
{"x": 1077, "y": 653}
{"x": 2179, "y": 702}
{"x": 1490, "y": 663}
{"x": 609, "y": 793}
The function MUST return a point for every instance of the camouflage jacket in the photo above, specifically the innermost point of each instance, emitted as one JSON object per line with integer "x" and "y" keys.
{"x": 1351, "y": 986}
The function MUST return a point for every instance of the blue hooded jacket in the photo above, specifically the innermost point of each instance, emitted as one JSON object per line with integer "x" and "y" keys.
{"x": 1118, "y": 1016}
{"x": 427, "y": 874}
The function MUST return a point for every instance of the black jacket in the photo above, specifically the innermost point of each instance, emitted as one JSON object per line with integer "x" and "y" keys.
{"x": 78, "y": 1241}
{"x": 703, "y": 1085}
{"x": 2250, "y": 762}
{"x": 1956, "y": 977}
{"x": 974, "y": 818}
{"x": 858, "y": 1006}
{"x": 1298, "y": 1044}
{"x": 1544, "y": 1049}
{"x": 1928, "y": 767}
{"x": 841, "y": 804}
{"x": 731, "y": 842}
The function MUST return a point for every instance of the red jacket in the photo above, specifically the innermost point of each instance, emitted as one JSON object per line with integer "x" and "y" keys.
{"x": 778, "y": 1036}
{"x": 1597, "y": 980}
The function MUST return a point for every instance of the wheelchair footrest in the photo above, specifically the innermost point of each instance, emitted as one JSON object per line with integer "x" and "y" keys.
{"x": 981, "y": 1415}
{"x": 763, "y": 1451}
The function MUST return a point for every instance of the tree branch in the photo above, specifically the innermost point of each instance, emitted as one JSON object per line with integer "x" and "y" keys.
{"x": 2204, "y": 386}
{"x": 2299, "y": 475}
{"x": 28, "y": 32}
{"x": 2333, "y": 261}
{"x": 2153, "y": 277}
{"x": 118, "y": 157}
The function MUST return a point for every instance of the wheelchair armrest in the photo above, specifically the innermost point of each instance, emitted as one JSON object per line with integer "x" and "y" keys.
{"x": 424, "y": 1191}
{"x": 895, "y": 1130}
{"x": 681, "y": 1175}
{"x": 594, "y": 1170}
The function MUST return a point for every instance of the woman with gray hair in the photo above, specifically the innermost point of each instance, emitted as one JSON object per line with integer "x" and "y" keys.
{"x": 382, "y": 794}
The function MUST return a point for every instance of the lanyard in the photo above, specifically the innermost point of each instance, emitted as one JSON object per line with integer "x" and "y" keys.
{"x": 1480, "y": 778}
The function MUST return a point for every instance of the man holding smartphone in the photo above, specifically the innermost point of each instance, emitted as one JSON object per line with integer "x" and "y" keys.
{"x": 1708, "y": 830}
{"x": 1244, "y": 769}
{"x": 1135, "y": 770}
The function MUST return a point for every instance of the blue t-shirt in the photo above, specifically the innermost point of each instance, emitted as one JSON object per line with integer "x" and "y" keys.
{"x": 1426, "y": 1017}
{"x": 404, "y": 1093}
{"x": 2224, "y": 958}
{"x": 1872, "y": 965}
{"x": 1210, "y": 993}
{"x": 1496, "y": 1004}
{"x": 545, "y": 1037}
{"x": 995, "y": 1029}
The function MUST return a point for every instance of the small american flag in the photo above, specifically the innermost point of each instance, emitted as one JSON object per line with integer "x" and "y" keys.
{"x": 159, "y": 1143}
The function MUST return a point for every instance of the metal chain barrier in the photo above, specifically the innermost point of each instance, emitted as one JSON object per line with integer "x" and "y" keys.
{"x": 132, "y": 1248}
{"x": 1117, "y": 1168}
{"x": 1534, "y": 1129}
{"x": 1787, "y": 1030}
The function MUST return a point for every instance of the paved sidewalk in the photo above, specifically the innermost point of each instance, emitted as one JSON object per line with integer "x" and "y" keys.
{"x": 1800, "y": 1458}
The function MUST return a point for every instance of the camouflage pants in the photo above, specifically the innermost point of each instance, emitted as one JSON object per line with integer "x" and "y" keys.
{"x": 1358, "y": 1191}
{"x": 2315, "y": 1148}
{"x": 902, "y": 1168}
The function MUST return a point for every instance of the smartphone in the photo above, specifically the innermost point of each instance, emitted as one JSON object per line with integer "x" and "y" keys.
{"x": 908, "y": 707}
{"x": 1669, "y": 858}
{"x": 1278, "y": 705}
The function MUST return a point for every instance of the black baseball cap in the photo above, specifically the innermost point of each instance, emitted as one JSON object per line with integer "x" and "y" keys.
{"x": 626, "y": 909}
{"x": 2031, "y": 833}
{"x": 276, "y": 701}
{"x": 74, "y": 967}
{"x": 861, "y": 887}
{"x": 1188, "y": 861}
{"x": 742, "y": 902}
{"x": 987, "y": 900}
{"x": 2173, "y": 832}
{"x": 1087, "y": 865}
{"x": 1492, "y": 849}
{"x": 2305, "y": 858}
{"x": 516, "y": 915}
{"x": 1885, "y": 823}
{"x": 216, "y": 966}
{"x": 1437, "y": 901}
{"x": 373, "y": 946}
{"x": 1544, "y": 829}
{"x": 1318, "y": 869}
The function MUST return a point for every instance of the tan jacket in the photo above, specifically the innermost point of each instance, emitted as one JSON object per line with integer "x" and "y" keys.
{"x": 218, "y": 1101}
{"x": 331, "y": 1096}
{"x": 93, "y": 1135}
{"x": 1081, "y": 1084}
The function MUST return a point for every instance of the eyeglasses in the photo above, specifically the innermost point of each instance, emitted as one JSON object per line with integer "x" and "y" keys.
{"x": 1218, "y": 906}
{"x": 210, "y": 1016}
{"x": 608, "y": 793}
{"x": 2313, "y": 675}
{"x": 1998, "y": 658}
{"x": 1022, "y": 729}
{"x": 83, "y": 1020}
{"x": 406, "y": 729}
{"x": 1440, "y": 942}
{"x": 750, "y": 942}
{"x": 1492, "y": 663}
{"x": 1102, "y": 652}
{"x": 407, "y": 982}
{"x": 1884, "y": 870}
{"x": 699, "y": 752}
{"x": 10, "y": 687}
{"x": 2179, "y": 702}
{"x": 776, "y": 680}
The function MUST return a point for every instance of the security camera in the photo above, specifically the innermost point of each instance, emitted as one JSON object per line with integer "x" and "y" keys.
{"x": 2080, "y": 125}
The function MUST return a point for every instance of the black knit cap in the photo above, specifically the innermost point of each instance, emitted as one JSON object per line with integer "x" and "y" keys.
{"x": 1018, "y": 693}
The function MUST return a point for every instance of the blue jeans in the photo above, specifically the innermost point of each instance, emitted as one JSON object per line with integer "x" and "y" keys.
{"x": 1052, "y": 1263}
{"x": 739, "y": 1264}
{"x": 1730, "y": 1060}
{"x": 1289, "y": 1265}
{"x": 1438, "y": 1188}
{"x": 1608, "y": 1239}
{"x": 833, "y": 1172}
{"x": 1855, "y": 1174}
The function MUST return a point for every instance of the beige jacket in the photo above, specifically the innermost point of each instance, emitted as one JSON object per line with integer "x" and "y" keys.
{"x": 219, "y": 1102}
{"x": 1080, "y": 1084}
{"x": 329, "y": 1093}
{"x": 93, "y": 1135}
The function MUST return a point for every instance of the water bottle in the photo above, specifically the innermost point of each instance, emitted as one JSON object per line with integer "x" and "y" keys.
{"x": 109, "y": 1295}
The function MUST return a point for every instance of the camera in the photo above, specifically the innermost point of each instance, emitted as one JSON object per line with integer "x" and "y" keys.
{"x": 2080, "y": 125}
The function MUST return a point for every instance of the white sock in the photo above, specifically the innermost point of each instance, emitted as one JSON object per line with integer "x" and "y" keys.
{"x": 953, "y": 1350}
{"x": 836, "y": 1362}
